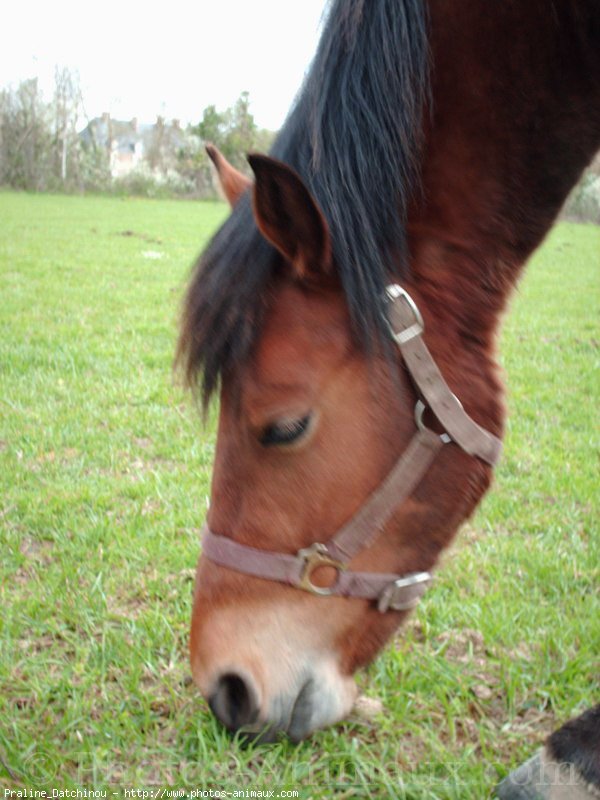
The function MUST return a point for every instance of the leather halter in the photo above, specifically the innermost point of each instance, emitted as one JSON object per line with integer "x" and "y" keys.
{"x": 392, "y": 592}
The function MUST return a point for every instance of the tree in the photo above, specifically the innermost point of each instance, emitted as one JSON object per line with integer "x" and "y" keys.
{"x": 212, "y": 127}
{"x": 234, "y": 132}
{"x": 241, "y": 138}
{"x": 67, "y": 105}
{"x": 25, "y": 140}
{"x": 39, "y": 145}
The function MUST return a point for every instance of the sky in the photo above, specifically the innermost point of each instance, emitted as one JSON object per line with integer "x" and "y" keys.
{"x": 172, "y": 58}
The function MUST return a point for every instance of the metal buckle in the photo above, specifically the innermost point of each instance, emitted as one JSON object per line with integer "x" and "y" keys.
{"x": 384, "y": 603}
{"x": 394, "y": 291}
{"x": 420, "y": 410}
{"x": 317, "y": 556}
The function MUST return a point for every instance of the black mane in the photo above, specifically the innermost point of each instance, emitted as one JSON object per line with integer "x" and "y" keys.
{"x": 353, "y": 135}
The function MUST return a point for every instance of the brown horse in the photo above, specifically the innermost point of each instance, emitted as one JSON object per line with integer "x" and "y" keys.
{"x": 432, "y": 146}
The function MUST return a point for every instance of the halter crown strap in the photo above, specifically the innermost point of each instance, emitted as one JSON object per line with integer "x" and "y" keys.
{"x": 407, "y": 327}
{"x": 392, "y": 592}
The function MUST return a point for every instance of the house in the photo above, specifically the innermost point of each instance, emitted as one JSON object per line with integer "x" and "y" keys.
{"x": 131, "y": 145}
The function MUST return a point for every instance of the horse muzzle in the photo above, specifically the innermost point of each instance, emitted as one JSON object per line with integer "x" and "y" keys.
{"x": 319, "y": 696}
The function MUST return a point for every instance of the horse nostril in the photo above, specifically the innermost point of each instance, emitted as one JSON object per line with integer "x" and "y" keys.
{"x": 234, "y": 702}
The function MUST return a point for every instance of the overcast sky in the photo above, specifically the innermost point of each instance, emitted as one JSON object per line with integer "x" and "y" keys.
{"x": 174, "y": 58}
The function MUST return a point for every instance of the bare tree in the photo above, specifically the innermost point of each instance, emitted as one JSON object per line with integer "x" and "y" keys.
{"x": 67, "y": 106}
{"x": 24, "y": 137}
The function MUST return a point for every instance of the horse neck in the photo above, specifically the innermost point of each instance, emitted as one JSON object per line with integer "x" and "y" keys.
{"x": 515, "y": 120}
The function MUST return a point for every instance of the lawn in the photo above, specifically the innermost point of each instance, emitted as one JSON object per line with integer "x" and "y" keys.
{"x": 104, "y": 475}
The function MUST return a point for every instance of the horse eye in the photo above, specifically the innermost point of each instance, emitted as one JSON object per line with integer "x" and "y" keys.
{"x": 284, "y": 431}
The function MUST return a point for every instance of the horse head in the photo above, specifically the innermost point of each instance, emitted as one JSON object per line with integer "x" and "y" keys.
{"x": 310, "y": 426}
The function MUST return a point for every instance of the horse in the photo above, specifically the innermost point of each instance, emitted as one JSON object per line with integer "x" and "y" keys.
{"x": 346, "y": 314}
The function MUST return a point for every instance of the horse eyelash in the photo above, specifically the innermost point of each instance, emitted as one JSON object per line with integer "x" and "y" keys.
{"x": 284, "y": 432}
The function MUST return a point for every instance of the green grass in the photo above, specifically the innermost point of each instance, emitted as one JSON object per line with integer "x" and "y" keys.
{"x": 104, "y": 473}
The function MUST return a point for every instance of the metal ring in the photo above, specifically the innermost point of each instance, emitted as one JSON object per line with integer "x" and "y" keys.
{"x": 420, "y": 409}
{"x": 317, "y": 556}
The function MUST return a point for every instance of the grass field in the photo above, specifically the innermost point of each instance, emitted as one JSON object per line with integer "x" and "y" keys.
{"x": 104, "y": 473}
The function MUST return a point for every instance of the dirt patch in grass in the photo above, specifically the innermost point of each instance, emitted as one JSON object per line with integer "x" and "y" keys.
{"x": 36, "y": 550}
{"x": 143, "y": 236}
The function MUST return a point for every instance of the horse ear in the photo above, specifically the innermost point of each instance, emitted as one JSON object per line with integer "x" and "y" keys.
{"x": 233, "y": 182}
{"x": 288, "y": 216}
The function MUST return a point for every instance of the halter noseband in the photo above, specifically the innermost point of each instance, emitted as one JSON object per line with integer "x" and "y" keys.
{"x": 392, "y": 592}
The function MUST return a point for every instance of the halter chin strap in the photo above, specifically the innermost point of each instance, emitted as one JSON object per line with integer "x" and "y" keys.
{"x": 392, "y": 592}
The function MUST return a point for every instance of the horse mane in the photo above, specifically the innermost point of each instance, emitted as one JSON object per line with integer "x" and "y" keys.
{"x": 353, "y": 135}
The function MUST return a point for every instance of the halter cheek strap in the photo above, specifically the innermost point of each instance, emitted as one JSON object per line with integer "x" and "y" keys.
{"x": 392, "y": 592}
